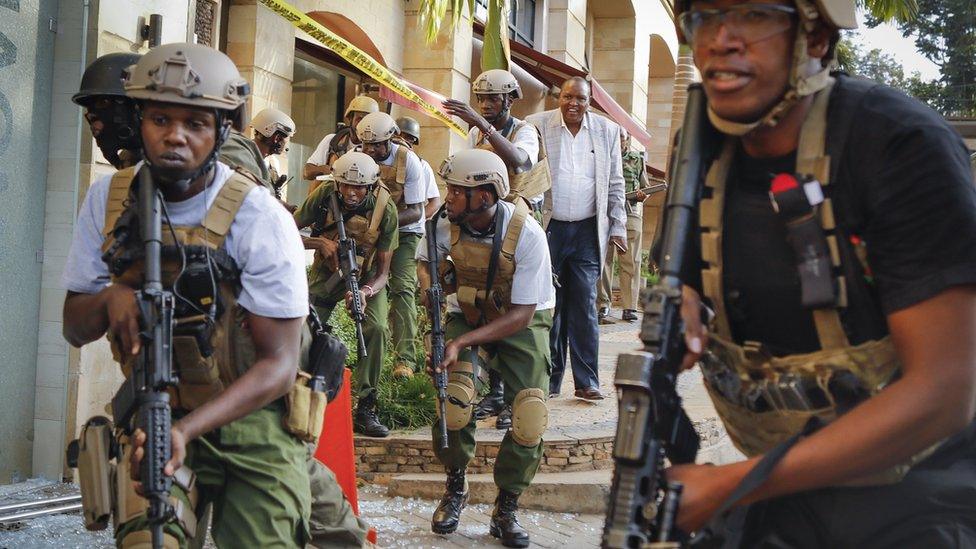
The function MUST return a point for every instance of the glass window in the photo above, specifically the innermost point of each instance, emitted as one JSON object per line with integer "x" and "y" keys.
{"x": 521, "y": 22}
{"x": 316, "y": 93}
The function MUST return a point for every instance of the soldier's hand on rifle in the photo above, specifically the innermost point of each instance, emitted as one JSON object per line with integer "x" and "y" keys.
{"x": 639, "y": 195}
{"x": 123, "y": 316}
{"x": 696, "y": 333}
{"x": 464, "y": 111}
{"x": 138, "y": 442}
{"x": 451, "y": 352}
{"x": 705, "y": 487}
{"x": 325, "y": 248}
{"x": 364, "y": 293}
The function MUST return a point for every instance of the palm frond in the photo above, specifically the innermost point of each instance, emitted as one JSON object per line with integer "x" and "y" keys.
{"x": 891, "y": 10}
{"x": 433, "y": 12}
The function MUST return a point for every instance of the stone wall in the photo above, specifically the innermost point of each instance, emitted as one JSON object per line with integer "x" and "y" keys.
{"x": 379, "y": 457}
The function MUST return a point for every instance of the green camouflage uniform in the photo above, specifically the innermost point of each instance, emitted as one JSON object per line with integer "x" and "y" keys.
{"x": 325, "y": 296}
{"x": 630, "y": 280}
{"x": 240, "y": 152}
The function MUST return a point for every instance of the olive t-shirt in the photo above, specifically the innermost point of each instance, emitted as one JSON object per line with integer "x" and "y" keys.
{"x": 903, "y": 186}
{"x": 312, "y": 211}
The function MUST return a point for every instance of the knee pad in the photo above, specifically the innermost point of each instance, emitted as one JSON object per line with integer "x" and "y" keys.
{"x": 460, "y": 393}
{"x": 142, "y": 539}
{"x": 530, "y": 417}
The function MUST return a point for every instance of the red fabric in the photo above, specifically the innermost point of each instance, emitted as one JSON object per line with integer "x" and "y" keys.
{"x": 783, "y": 182}
{"x": 433, "y": 98}
{"x": 335, "y": 448}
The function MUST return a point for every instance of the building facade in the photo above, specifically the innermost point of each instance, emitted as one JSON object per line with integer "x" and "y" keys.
{"x": 48, "y": 157}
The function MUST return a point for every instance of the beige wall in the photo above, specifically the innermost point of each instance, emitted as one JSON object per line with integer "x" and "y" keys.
{"x": 566, "y": 36}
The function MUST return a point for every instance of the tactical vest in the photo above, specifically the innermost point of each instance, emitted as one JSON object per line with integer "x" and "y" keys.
{"x": 206, "y": 358}
{"x": 470, "y": 263}
{"x": 750, "y": 370}
{"x": 528, "y": 184}
{"x": 364, "y": 230}
{"x": 340, "y": 144}
{"x": 394, "y": 177}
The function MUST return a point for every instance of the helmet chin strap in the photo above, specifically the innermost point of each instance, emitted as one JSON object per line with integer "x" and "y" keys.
{"x": 183, "y": 184}
{"x": 800, "y": 85}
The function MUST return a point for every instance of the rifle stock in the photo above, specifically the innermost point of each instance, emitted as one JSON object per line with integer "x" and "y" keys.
{"x": 350, "y": 271}
{"x": 652, "y": 424}
{"x": 435, "y": 300}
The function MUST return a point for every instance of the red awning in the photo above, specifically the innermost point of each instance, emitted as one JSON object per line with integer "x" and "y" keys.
{"x": 554, "y": 72}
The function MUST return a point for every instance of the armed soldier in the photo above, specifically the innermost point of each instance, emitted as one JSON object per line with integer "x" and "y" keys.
{"x": 371, "y": 221}
{"x": 401, "y": 173}
{"x": 336, "y": 144}
{"x": 867, "y": 329}
{"x": 517, "y": 143}
{"x": 234, "y": 261}
{"x": 272, "y": 130}
{"x": 635, "y": 179}
{"x": 410, "y": 136}
{"x": 500, "y": 299}
{"x": 109, "y": 113}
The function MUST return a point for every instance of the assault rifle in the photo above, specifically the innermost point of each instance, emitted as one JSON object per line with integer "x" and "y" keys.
{"x": 658, "y": 186}
{"x": 652, "y": 425}
{"x": 435, "y": 299}
{"x": 350, "y": 271}
{"x": 143, "y": 400}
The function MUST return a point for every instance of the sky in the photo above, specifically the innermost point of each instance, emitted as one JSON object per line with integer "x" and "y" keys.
{"x": 888, "y": 38}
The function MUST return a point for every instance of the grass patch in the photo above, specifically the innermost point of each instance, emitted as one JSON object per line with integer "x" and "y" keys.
{"x": 401, "y": 404}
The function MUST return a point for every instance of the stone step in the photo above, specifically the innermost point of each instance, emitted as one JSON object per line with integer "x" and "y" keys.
{"x": 581, "y": 492}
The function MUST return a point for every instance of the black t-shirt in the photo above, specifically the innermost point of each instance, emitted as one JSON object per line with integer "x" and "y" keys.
{"x": 902, "y": 184}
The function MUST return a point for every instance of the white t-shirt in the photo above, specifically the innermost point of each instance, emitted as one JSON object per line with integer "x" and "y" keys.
{"x": 320, "y": 155}
{"x": 430, "y": 181}
{"x": 526, "y": 138}
{"x": 263, "y": 241}
{"x": 532, "y": 282}
{"x": 414, "y": 187}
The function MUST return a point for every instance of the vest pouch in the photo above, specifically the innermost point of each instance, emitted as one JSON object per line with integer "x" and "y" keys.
{"x": 196, "y": 365}
{"x": 532, "y": 183}
{"x": 304, "y": 410}
{"x": 96, "y": 450}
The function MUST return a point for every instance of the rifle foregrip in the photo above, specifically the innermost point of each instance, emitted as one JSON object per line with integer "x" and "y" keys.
{"x": 155, "y": 422}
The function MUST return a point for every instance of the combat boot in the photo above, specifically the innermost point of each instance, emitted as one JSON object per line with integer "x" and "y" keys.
{"x": 504, "y": 420}
{"x": 365, "y": 422}
{"x": 448, "y": 512}
{"x": 492, "y": 403}
{"x": 504, "y": 525}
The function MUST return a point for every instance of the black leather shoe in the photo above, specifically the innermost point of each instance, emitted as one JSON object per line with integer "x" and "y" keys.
{"x": 629, "y": 315}
{"x": 504, "y": 420}
{"x": 504, "y": 525}
{"x": 603, "y": 312}
{"x": 365, "y": 421}
{"x": 447, "y": 516}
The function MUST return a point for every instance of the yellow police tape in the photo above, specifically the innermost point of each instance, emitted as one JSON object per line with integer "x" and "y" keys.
{"x": 357, "y": 58}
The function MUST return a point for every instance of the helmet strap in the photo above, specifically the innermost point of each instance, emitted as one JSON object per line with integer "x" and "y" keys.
{"x": 223, "y": 127}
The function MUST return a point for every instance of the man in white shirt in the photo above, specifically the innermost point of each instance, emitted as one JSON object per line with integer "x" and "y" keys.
{"x": 587, "y": 211}
{"x": 336, "y": 144}
{"x": 512, "y": 326}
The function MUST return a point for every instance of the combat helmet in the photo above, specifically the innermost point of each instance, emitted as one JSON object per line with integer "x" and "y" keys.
{"x": 835, "y": 14}
{"x": 496, "y": 81}
{"x": 356, "y": 168}
{"x": 376, "y": 127}
{"x": 474, "y": 168}
{"x": 362, "y": 103}
{"x": 271, "y": 120}
{"x": 194, "y": 76}
{"x": 409, "y": 126}
{"x": 104, "y": 77}
{"x": 187, "y": 74}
